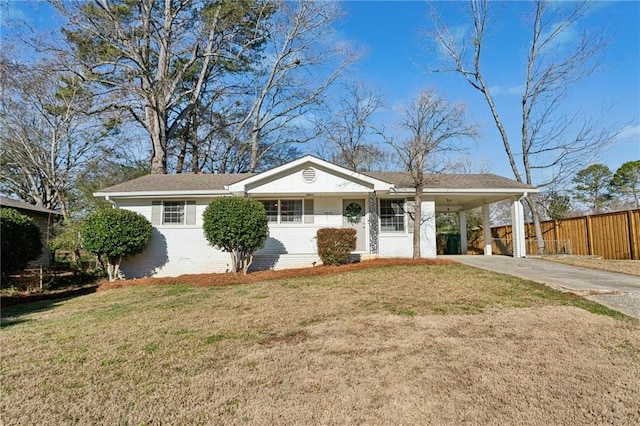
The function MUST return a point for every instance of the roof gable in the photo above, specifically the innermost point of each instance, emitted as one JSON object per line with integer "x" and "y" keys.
{"x": 308, "y": 175}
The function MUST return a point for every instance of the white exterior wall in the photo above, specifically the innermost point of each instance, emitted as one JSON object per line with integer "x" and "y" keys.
{"x": 400, "y": 244}
{"x": 428, "y": 232}
{"x": 179, "y": 249}
{"x": 174, "y": 249}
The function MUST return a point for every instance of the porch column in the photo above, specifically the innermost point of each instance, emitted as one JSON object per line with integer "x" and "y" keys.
{"x": 373, "y": 223}
{"x": 462, "y": 219}
{"x": 517, "y": 226}
{"x": 486, "y": 225}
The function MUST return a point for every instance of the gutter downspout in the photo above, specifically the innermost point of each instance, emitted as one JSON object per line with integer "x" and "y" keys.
{"x": 113, "y": 203}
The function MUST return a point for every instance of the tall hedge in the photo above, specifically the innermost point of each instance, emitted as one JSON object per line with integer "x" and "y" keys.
{"x": 238, "y": 226}
{"x": 335, "y": 245}
{"x": 114, "y": 234}
{"x": 21, "y": 241}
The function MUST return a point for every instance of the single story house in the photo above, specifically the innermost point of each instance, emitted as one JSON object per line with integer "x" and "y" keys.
{"x": 301, "y": 197}
{"x": 44, "y": 218}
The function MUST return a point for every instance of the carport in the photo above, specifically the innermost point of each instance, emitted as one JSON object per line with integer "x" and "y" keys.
{"x": 462, "y": 200}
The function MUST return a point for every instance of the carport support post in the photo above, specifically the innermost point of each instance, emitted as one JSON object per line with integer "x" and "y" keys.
{"x": 517, "y": 226}
{"x": 462, "y": 219}
{"x": 486, "y": 225}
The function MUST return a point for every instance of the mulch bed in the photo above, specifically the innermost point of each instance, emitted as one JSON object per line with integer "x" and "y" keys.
{"x": 210, "y": 280}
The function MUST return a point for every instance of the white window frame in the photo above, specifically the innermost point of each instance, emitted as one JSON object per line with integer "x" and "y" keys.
{"x": 182, "y": 205}
{"x": 297, "y": 220}
{"x": 403, "y": 214}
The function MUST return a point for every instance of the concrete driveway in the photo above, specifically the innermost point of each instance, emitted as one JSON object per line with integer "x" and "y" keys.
{"x": 617, "y": 291}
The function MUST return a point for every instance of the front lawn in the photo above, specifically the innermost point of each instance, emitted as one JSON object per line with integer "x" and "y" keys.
{"x": 444, "y": 344}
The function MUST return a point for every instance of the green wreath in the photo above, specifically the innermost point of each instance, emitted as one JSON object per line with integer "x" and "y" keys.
{"x": 353, "y": 212}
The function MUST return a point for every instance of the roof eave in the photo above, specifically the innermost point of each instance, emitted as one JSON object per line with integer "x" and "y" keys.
{"x": 470, "y": 190}
{"x": 162, "y": 194}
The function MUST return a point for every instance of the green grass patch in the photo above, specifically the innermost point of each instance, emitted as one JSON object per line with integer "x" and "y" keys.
{"x": 215, "y": 338}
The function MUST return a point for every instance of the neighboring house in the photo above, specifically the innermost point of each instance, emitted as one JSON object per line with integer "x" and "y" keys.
{"x": 301, "y": 197}
{"x": 44, "y": 218}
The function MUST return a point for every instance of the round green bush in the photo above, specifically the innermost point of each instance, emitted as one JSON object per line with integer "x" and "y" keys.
{"x": 21, "y": 241}
{"x": 115, "y": 234}
{"x": 238, "y": 226}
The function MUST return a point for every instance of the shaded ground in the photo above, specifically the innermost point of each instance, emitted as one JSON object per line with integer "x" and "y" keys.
{"x": 425, "y": 344}
{"x": 631, "y": 267}
{"x": 29, "y": 297}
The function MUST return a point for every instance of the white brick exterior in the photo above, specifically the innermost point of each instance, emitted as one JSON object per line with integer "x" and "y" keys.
{"x": 182, "y": 249}
{"x": 400, "y": 244}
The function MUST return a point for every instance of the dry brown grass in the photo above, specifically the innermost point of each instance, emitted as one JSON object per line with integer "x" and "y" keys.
{"x": 394, "y": 345}
{"x": 631, "y": 267}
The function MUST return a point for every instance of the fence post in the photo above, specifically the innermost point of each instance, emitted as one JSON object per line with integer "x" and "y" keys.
{"x": 589, "y": 236}
{"x": 632, "y": 242}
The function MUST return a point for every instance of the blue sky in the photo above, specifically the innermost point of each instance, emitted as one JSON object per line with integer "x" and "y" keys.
{"x": 399, "y": 64}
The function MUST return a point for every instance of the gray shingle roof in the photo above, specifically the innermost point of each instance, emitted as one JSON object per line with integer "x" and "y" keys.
{"x": 21, "y": 205}
{"x": 179, "y": 182}
{"x": 451, "y": 181}
{"x": 217, "y": 182}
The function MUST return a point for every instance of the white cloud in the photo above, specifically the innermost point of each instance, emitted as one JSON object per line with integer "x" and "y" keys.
{"x": 629, "y": 135}
{"x": 569, "y": 36}
{"x": 507, "y": 90}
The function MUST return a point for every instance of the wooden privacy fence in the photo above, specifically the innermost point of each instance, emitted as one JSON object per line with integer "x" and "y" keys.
{"x": 610, "y": 235}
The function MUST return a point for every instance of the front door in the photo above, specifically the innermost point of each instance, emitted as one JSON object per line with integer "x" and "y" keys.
{"x": 353, "y": 216}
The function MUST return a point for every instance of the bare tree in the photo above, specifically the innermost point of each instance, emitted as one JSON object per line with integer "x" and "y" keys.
{"x": 550, "y": 140}
{"x": 301, "y": 62}
{"x": 49, "y": 139}
{"x": 351, "y": 126}
{"x": 435, "y": 126}
{"x": 138, "y": 55}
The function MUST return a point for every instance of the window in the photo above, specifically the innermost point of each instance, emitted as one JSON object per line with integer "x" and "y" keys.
{"x": 289, "y": 211}
{"x": 391, "y": 215}
{"x": 181, "y": 212}
{"x": 173, "y": 212}
{"x": 271, "y": 207}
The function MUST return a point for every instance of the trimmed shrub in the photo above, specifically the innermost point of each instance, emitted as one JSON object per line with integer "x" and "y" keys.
{"x": 335, "y": 245}
{"x": 21, "y": 241}
{"x": 239, "y": 226}
{"x": 114, "y": 234}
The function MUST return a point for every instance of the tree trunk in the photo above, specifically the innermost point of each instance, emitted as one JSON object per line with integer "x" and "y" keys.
{"x": 113, "y": 268}
{"x": 184, "y": 142}
{"x": 157, "y": 126}
{"x": 247, "y": 261}
{"x": 537, "y": 225}
{"x": 417, "y": 221}
{"x": 254, "y": 146}
{"x": 195, "y": 146}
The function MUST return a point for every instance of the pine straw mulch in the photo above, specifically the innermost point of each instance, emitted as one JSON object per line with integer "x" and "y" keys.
{"x": 211, "y": 280}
